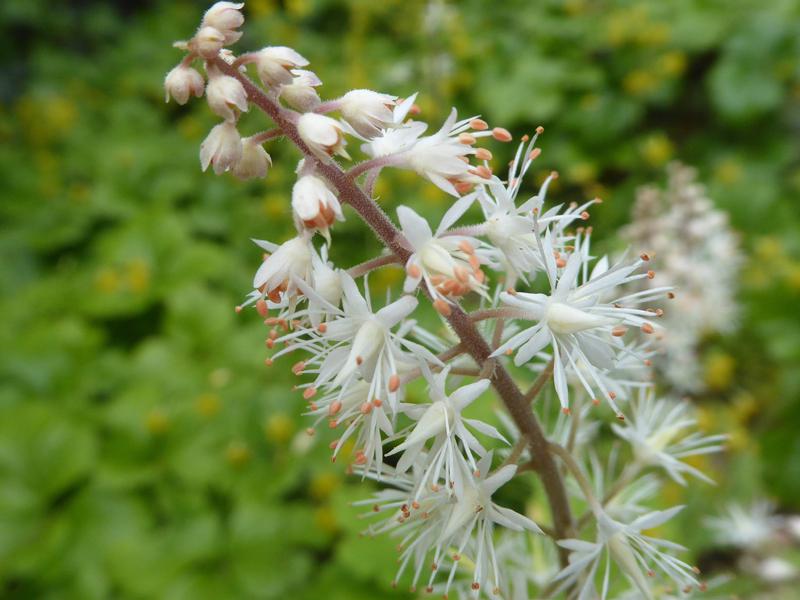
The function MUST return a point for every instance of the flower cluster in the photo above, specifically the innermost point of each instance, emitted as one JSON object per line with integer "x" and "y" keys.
{"x": 542, "y": 300}
{"x": 695, "y": 250}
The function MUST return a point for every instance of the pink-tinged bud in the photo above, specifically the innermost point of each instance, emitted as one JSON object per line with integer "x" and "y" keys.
{"x": 300, "y": 94}
{"x": 367, "y": 112}
{"x": 225, "y": 95}
{"x": 182, "y": 82}
{"x": 254, "y": 161}
{"x": 274, "y": 65}
{"x": 323, "y": 135}
{"x": 208, "y": 41}
{"x": 222, "y": 149}
{"x": 314, "y": 205}
{"x": 226, "y": 18}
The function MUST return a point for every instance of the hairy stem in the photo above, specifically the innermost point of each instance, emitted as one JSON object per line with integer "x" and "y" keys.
{"x": 471, "y": 340}
{"x": 372, "y": 264}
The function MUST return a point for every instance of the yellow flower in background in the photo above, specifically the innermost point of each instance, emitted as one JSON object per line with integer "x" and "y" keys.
{"x": 137, "y": 275}
{"x": 238, "y": 454}
{"x": 672, "y": 63}
{"x": 279, "y": 428}
{"x": 107, "y": 281}
{"x": 207, "y": 405}
{"x": 325, "y": 519}
{"x": 657, "y": 149}
{"x": 324, "y": 484}
{"x": 640, "y": 82}
{"x": 728, "y": 171}
{"x": 719, "y": 370}
{"x": 157, "y": 421}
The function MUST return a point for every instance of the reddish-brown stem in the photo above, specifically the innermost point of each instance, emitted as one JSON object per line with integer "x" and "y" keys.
{"x": 471, "y": 340}
{"x": 372, "y": 264}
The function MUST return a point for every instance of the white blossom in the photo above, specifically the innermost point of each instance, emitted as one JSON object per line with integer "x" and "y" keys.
{"x": 366, "y": 111}
{"x": 749, "y": 527}
{"x": 577, "y": 319}
{"x": 182, "y": 82}
{"x": 208, "y": 41}
{"x": 661, "y": 434}
{"x": 442, "y": 422}
{"x": 637, "y": 555}
{"x": 284, "y": 267}
{"x": 324, "y": 136}
{"x": 314, "y": 204}
{"x": 222, "y": 148}
{"x": 274, "y": 65}
{"x": 301, "y": 94}
{"x": 225, "y": 95}
{"x": 254, "y": 161}
{"x": 225, "y": 17}
{"x": 447, "y": 264}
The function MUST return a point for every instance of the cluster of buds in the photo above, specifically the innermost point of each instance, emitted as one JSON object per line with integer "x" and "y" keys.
{"x": 542, "y": 300}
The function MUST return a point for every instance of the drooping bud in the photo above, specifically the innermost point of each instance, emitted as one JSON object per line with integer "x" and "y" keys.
{"x": 323, "y": 135}
{"x": 208, "y": 41}
{"x": 367, "y": 112}
{"x": 225, "y": 95}
{"x": 254, "y": 161}
{"x": 225, "y": 17}
{"x": 314, "y": 204}
{"x": 274, "y": 65}
{"x": 300, "y": 93}
{"x": 222, "y": 149}
{"x": 182, "y": 82}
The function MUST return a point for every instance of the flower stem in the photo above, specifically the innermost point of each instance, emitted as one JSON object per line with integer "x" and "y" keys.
{"x": 471, "y": 340}
{"x": 372, "y": 264}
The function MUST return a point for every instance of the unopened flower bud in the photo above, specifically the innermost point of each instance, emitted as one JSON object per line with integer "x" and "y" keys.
{"x": 300, "y": 93}
{"x": 222, "y": 148}
{"x": 254, "y": 161}
{"x": 208, "y": 41}
{"x": 274, "y": 65}
{"x": 314, "y": 204}
{"x": 224, "y": 94}
{"x": 182, "y": 82}
{"x": 226, "y": 18}
{"x": 323, "y": 135}
{"x": 367, "y": 112}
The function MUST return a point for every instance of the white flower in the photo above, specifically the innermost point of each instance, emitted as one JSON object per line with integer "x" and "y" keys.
{"x": 226, "y": 18}
{"x": 366, "y": 111}
{"x": 577, "y": 320}
{"x": 284, "y": 267}
{"x": 275, "y": 63}
{"x": 208, "y": 41}
{"x": 750, "y": 527}
{"x": 448, "y": 264}
{"x": 327, "y": 283}
{"x": 440, "y": 157}
{"x": 182, "y": 82}
{"x": 470, "y": 524}
{"x": 300, "y": 93}
{"x": 442, "y": 421}
{"x": 323, "y": 135}
{"x": 361, "y": 416}
{"x": 222, "y": 149}
{"x": 357, "y": 344}
{"x": 659, "y": 431}
{"x": 637, "y": 556}
{"x": 225, "y": 94}
{"x": 254, "y": 161}
{"x": 314, "y": 205}
{"x": 396, "y": 136}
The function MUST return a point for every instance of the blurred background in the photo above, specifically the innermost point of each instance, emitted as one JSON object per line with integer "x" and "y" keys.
{"x": 145, "y": 451}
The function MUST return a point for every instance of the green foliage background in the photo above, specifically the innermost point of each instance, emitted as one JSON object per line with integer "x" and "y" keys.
{"x": 145, "y": 452}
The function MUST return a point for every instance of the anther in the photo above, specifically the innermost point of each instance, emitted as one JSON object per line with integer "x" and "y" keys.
{"x": 442, "y": 307}
{"x": 483, "y": 154}
{"x": 501, "y": 134}
{"x": 479, "y": 124}
{"x": 535, "y": 153}
{"x": 413, "y": 271}
{"x": 651, "y": 274}
{"x": 394, "y": 383}
{"x": 540, "y": 130}
{"x": 309, "y": 393}
{"x": 466, "y": 139}
{"x": 261, "y": 307}
{"x": 619, "y": 331}
{"x": 647, "y": 328}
